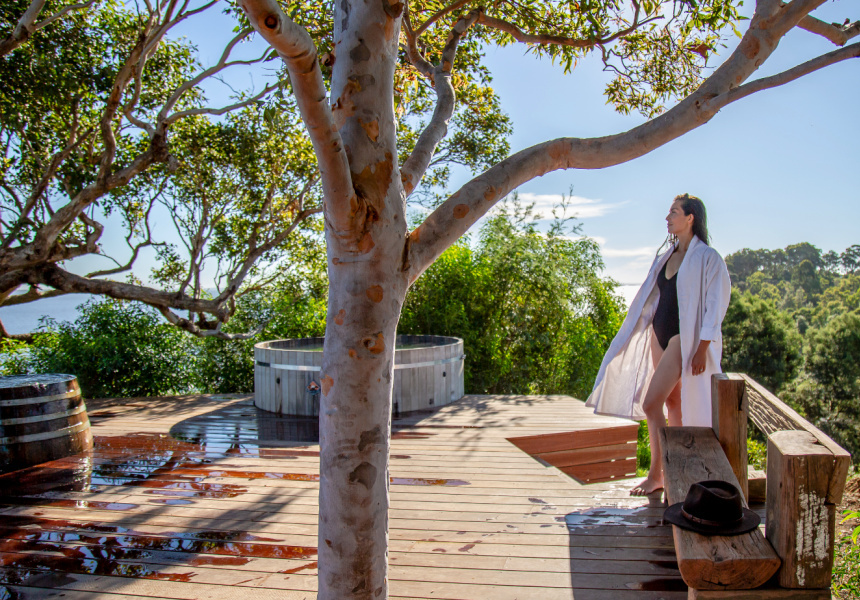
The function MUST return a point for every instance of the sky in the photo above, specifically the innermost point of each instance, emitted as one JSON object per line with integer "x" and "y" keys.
{"x": 776, "y": 168}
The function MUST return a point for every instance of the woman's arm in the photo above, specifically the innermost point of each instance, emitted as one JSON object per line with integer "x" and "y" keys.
{"x": 716, "y": 295}
{"x": 700, "y": 358}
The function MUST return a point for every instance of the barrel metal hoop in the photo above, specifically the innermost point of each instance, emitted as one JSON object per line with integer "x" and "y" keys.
{"x": 38, "y": 418}
{"x": 429, "y": 363}
{"x": 38, "y": 399}
{"x": 48, "y": 435}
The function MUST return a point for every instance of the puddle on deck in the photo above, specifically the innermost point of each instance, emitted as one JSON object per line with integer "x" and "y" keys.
{"x": 200, "y": 459}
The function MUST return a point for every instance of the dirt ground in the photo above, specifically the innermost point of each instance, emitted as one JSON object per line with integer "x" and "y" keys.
{"x": 850, "y": 501}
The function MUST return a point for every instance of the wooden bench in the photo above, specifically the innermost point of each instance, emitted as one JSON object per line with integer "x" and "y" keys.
{"x": 590, "y": 455}
{"x": 710, "y": 562}
{"x": 806, "y": 476}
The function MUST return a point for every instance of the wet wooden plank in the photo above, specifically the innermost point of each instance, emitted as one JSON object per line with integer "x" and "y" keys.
{"x": 472, "y": 516}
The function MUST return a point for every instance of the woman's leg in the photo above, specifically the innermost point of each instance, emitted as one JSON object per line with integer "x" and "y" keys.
{"x": 664, "y": 388}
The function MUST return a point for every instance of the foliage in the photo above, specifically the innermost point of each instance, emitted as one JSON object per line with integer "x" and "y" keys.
{"x": 14, "y": 357}
{"x": 846, "y": 568}
{"x": 757, "y": 453}
{"x": 761, "y": 341}
{"x": 117, "y": 349}
{"x": 828, "y": 389}
{"x": 534, "y": 316}
{"x": 643, "y": 450}
{"x": 796, "y": 328}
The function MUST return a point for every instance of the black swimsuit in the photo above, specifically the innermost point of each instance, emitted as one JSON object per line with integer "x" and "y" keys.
{"x": 666, "y": 320}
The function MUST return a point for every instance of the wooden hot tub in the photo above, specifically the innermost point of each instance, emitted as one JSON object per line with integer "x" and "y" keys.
{"x": 428, "y": 372}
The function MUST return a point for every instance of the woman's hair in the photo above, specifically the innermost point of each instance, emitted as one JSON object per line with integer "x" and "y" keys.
{"x": 691, "y": 206}
{"x": 694, "y": 206}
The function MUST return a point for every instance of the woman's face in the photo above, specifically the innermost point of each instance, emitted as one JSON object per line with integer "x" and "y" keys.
{"x": 677, "y": 222}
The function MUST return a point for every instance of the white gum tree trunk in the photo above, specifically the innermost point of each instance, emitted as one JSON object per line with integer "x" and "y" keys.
{"x": 367, "y": 290}
{"x": 373, "y": 258}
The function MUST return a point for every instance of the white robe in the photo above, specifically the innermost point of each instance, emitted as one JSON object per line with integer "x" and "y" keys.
{"x": 704, "y": 291}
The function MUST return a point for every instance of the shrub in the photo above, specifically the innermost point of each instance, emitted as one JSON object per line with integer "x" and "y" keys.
{"x": 534, "y": 316}
{"x": 761, "y": 341}
{"x": 14, "y": 357}
{"x": 846, "y": 568}
{"x": 117, "y": 349}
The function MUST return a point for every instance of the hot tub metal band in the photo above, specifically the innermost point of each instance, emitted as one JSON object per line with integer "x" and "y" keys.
{"x": 429, "y": 363}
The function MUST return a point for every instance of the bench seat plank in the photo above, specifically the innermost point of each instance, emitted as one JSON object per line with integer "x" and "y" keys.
{"x": 709, "y": 562}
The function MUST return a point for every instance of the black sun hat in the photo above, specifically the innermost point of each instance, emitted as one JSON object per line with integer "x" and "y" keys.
{"x": 713, "y": 507}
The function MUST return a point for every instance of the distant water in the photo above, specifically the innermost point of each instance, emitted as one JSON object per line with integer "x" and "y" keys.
{"x": 628, "y": 292}
{"x": 24, "y": 318}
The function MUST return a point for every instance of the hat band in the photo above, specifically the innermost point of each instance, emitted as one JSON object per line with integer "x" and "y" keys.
{"x": 709, "y": 522}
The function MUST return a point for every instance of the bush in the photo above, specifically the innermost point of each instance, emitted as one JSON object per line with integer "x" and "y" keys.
{"x": 761, "y": 341}
{"x": 14, "y": 357}
{"x": 846, "y": 568}
{"x": 117, "y": 349}
{"x": 534, "y": 316}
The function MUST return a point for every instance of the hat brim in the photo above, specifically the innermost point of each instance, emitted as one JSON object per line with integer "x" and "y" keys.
{"x": 749, "y": 522}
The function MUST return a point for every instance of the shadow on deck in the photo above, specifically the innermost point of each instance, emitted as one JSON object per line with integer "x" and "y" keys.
{"x": 214, "y": 494}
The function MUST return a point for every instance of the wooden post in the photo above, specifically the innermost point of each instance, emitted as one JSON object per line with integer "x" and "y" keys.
{"x": 800, "y": 521}
{"x": 729, "y": 412}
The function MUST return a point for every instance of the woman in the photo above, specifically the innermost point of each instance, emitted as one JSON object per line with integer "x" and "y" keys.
{"x": 670, "y": 343}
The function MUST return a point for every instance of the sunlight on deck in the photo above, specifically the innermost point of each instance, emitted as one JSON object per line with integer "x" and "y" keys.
{"x": 191, "y": 497}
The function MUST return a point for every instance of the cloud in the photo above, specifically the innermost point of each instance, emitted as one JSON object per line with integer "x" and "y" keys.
{"x": 581, "y": 208}
{"x": 649, "y": 251}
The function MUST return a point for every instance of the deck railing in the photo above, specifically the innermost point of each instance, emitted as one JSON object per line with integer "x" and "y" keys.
{"x": 806, "y": 474}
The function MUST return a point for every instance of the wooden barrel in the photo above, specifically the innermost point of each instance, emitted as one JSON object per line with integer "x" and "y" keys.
{"x": 42, "y": 418}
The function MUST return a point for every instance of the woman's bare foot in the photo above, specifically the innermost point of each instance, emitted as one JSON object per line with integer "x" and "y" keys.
{"x": 650, "y": 485}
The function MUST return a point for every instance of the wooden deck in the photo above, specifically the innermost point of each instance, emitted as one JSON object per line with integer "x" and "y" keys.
{"x": 225, "y": 503}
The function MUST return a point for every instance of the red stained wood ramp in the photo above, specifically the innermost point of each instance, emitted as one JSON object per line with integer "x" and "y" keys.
{"x": 589, "y": 455}
{"x": 201, "y": 496}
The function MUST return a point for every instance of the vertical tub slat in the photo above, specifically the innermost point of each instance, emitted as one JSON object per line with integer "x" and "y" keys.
{"x": 437, "y": 354}
{"x": 291, "y": 399}
{"x": 396, "y": 391}
{"x": 258, "y": 377}
{"x": 274, "y": 400}
{"x": 266, "y": 377}
{"x": 302, "y": 387}
{"x": 426, "y": 355}
{"x": 292, "y": 390}
{"x": 455, "y": 373}
{"x": 408, "y": 383}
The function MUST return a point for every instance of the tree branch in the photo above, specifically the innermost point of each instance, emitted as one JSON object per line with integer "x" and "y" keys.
{"x": 220, "y": 111}
{"x": 558, "y": 40}
{"x": 62, "y": 280}
{"x": 416, "y": 165}
{"x": 32, "y": 295}
{"x": 297, "y": 50}
{"x": 416, "y": 58}
{"x": 27, "y": 25}
{"x": 838, "y": 34}
{"x": 453, "y": 217}
{"x": 21, "y": 337}
{"x": 184, "y": 87}
{"x": 765, "y": 83}
{"x": 438, "y": 15}
{"x": 208, "y": 329}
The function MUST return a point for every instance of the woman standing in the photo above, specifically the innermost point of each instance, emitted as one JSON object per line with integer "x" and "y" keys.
{"x": 669, "y": 345}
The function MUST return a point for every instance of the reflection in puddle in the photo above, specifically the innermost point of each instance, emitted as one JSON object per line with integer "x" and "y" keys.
{"x": 180, "y": 470}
